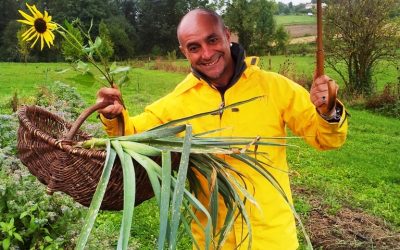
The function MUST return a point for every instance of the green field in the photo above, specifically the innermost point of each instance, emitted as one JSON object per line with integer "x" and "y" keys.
{"x": 363, "y": 174}
{"x": 294, "y": 19}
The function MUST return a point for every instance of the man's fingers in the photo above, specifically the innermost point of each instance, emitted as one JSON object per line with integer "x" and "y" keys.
{"x": 113, "y": 96}
{"x": 332, "y": 94}
{"x": 323, "y": 94}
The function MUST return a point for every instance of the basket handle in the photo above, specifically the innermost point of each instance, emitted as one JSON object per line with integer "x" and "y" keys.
{"x": 86, "y": 113}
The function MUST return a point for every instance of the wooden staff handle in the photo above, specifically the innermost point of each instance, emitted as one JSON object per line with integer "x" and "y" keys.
{"x": 319, "y": 71}
{"x": 320, "y": 46}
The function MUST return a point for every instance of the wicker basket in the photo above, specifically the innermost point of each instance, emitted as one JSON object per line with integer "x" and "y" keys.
{"x": 50, "y": 157}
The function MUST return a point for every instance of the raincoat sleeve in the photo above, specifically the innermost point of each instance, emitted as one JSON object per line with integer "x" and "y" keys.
{"x": 301, "y": 116}
{"x": 133, "y": 125}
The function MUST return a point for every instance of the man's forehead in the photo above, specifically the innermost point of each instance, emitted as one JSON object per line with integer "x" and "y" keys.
{"x": 197, "y": 24}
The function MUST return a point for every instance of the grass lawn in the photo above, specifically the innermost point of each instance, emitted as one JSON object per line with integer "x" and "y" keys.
{"x": 294, "y": 19}
{"x": 386, "y": 72}
{"x": 364, "y": 173}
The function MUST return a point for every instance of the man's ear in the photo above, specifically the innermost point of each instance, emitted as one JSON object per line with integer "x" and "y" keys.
{"x": 227, "y": 32}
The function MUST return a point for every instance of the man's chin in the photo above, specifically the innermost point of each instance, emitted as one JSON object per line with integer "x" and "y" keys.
{"x": 211, "y": 75}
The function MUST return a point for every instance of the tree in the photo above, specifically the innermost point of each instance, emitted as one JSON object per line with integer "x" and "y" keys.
{"x": 264, "y": 28}
{"x": 281, "y": 40}
{"x": 106, "y": 48}
{"x": 253, "y": 22}
{"x": 157, "y": 21}
{"x": 69, "y": 51}
{"x": 123, "y": 35}
{"x": 8, "y": 13}
{"x": 358, "y": 34}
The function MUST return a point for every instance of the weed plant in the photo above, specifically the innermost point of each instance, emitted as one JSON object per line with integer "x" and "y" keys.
{"x": 29, "y": 218}
{"x": 386, "y": 102}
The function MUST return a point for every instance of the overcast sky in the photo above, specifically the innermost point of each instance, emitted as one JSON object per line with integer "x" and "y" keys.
{"x": 293, "y": 1}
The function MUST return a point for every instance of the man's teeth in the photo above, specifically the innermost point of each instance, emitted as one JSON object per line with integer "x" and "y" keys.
{"x": 211, "y": 63}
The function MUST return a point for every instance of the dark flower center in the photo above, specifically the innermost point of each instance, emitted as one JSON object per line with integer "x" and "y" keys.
{"x": 40, "y": 25}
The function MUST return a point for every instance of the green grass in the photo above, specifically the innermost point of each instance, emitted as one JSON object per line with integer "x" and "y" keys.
{"x": 294, "y": 19}
{"x": 386, "y": 72}
{"x": 364, "y": 173}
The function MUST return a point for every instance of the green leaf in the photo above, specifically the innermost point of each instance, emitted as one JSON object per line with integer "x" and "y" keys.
{"x": 6, "y": 243}
{"x": 180, "y": 187}
{"x": 150, "y": 166}
{"x": 82, "y": 67}
{"x": 165, "y": 197}
{"x": 48, "y": 239}
{"x": 129, "y": 194}
{"x": 97, "y": 43}
{"x": 153, "y": 134}
{"x": 18, "y": 237}
{"x": 120, "y": 69}
{"x": 97, "y": 198}
{"x": 113, "y": 66}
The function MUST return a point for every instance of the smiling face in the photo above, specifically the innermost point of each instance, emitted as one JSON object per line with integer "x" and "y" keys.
{"x": 204, "y": 40}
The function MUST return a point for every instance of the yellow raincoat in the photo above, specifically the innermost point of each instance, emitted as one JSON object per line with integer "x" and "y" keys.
{"x": 284, "y": 104}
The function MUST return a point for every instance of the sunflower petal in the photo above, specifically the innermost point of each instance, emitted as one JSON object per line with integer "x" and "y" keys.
{"x": 33, "y": 44}
{"x": 47, "y": 38}
{"x": 33, "y": 36}
{"x": 46, "y": 17}
{"x": 27, "y": 17}
{"x": 52, "y": 26}
{"x": 28, "y": 32}
{"x": 31, "y": 10}
{"x": 52, "y": 35}
{"x": 25, "y": 21}
{"x": 38, "y": 13}
{"x": 41, "y": 42}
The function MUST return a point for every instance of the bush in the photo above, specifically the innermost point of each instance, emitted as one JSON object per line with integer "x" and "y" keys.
{"x": 29, "y": 218}
{"x": 387, "y": 102}
{"x": 288, "y": 69}
{"x": 301, "y": 49}
{"x": 61, "y": 99}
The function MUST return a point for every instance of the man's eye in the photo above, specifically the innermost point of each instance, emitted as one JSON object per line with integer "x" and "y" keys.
{"x": 213, "y": 40}
{"x": 193, "y": 48}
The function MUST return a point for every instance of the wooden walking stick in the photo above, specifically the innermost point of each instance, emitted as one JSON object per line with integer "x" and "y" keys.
{"x": 319, "y": 71}
{"x": 320, "y": 46}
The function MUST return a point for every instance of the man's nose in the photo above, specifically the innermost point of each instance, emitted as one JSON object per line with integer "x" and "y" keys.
{"x": 207, "y": 52}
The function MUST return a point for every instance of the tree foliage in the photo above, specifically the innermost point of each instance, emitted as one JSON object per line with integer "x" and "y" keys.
{"x": 360, "y": 33}
{"x": 106, "y": 48}
{"x": 253, "y": 22}
{"x": 138, "y": 27}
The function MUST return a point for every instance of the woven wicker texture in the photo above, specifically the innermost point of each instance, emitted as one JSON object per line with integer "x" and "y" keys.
{"x": 74, "y": 171}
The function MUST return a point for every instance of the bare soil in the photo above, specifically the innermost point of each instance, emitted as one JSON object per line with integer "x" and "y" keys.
{"x": 348, "y": 228}
{"x": 301, "y": 30}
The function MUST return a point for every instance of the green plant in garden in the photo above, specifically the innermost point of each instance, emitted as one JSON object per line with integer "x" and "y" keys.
{"x": 43, "y": 27}
{"x": 30, "y": 219}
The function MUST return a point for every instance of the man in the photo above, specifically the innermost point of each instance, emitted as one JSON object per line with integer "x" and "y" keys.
{"x": 221, "y": 75}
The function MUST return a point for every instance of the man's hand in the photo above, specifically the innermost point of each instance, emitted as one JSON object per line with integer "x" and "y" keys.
{"x": 323, "y": 95}
{"x": 113, "y": 96}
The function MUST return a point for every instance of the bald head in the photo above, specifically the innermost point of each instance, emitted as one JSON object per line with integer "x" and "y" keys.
{"x": 191, "y": 18}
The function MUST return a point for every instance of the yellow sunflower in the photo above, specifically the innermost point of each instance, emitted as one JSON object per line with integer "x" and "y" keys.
{"x": 42, "y": 27}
